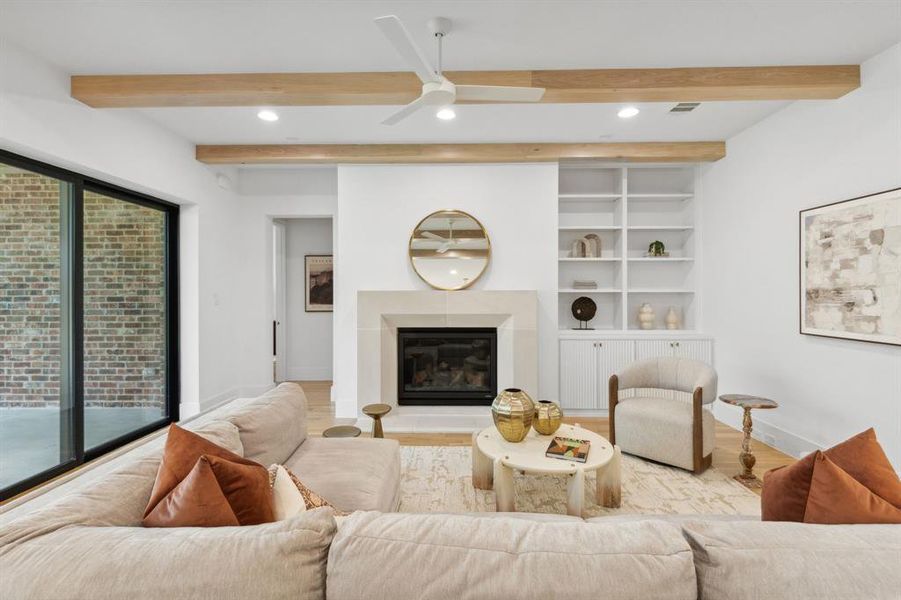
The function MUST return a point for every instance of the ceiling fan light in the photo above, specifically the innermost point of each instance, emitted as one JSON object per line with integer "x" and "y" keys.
{"x": 446, "y": 114}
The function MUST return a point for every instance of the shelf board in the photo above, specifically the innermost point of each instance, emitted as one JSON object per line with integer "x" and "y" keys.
{"x": 589, "y": 291}
{"x": 589, "y": 196}
{"x": 663, "y": 196}
{"x": 589, "y": 228}
{"x": 602, "y": 259}
{"x": 661, "y": 259}
{"x": 661, "y": 227}
{"x": 660, "y": 291}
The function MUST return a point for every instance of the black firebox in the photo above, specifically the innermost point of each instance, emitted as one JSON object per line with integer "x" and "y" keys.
{"x": 446, "y": 366}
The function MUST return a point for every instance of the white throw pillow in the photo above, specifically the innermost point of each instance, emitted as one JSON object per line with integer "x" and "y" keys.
{"x": 287, "y": 501}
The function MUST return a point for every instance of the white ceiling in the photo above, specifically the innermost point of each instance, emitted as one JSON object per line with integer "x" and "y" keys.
{"x": 134, "y": 36}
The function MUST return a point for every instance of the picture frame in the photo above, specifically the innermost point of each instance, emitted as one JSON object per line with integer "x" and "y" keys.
{"x": 850, "y": 269}
{"x": 319, "y": 277}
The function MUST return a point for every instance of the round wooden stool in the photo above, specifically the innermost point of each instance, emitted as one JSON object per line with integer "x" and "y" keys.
{"x": 377, "y": 411}
{"x": 342, "y": 431}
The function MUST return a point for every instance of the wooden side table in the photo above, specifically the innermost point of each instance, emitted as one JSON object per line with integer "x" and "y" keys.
{"x": 342, "y": 431}
{"x": 746, "y": 458}
{"x": 377, "y": 411}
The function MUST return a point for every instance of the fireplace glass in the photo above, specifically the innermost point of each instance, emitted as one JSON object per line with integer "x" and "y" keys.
{"x": 446, "y": 366}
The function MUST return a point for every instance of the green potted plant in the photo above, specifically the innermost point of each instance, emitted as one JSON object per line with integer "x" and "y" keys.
{"x": 657, "y": 249}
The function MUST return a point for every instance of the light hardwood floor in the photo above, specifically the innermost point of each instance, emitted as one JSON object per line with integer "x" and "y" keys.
{"x": 725, "y": 453}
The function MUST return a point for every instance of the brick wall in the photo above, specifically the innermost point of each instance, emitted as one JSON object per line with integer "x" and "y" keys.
{"x": 124, "y": 337}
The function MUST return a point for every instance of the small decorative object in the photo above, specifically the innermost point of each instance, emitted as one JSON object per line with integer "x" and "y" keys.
{"x": 579, "y": 249}
{"x": 585, "y": 284}
{"x": 646, "y": 316}
{"x": 584, "y": 309}
{"x": 657, "y": 248}
{"x": 594, "y": 245}
{"x": 569, "y": 449}
{"x": 548, "y": 417}
{"x": 513, "y": 411}
{"x": 850, "y": 265}
{"x": 320, "y": 284}
{"x": 672, "y": 319}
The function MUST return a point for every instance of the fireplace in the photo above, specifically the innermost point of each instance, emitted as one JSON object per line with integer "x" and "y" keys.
{"x": 448, "y": 366}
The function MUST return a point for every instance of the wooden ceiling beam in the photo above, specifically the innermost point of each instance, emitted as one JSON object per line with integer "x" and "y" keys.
{"x": 459, "y": 153}
{"x": 563, "y": 86}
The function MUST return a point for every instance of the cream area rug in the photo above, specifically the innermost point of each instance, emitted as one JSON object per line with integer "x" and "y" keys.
{"x": 439, "y": 479}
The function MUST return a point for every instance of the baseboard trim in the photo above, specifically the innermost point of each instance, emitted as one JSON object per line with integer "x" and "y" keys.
{"x": 246, "y": 391}
{"x": 767, "y": 433}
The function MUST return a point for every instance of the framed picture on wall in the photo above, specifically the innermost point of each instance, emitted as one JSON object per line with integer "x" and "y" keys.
{"x": 850, "y": 284}
{"x": 320, "y": 276}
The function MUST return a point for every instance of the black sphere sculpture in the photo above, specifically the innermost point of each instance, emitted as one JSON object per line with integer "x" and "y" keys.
{"x": 584, "y": 310}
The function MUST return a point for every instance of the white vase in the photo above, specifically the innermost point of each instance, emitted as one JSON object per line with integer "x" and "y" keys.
{"x": 672, "y": 318}
{"x": 646, "y": 316}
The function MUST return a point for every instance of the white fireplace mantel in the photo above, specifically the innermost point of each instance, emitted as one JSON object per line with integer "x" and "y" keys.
{"x": 380, "y": 313}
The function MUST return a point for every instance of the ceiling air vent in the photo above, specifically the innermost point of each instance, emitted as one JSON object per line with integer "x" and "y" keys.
{"x": 684, "y": 107}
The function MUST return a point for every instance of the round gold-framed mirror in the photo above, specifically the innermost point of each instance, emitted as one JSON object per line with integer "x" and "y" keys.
{"x": 449, "y": 249}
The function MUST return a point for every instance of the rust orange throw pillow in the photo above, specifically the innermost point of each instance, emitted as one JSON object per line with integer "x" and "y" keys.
{"x": 786, "y": 489}
{"x": 243, "y": 484}
{"x": 837, "y": 498}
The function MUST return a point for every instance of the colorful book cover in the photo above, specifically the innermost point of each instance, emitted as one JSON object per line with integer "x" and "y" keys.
{"x": 569, "y": 449}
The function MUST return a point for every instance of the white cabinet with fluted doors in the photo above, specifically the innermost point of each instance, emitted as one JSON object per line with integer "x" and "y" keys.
{"x": 585, "y": 367}
{"x": 587, "y": 361}
{"x": 699, "y": 349}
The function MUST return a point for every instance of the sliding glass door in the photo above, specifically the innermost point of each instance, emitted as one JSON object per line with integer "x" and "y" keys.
{"x": 88, "y": 319}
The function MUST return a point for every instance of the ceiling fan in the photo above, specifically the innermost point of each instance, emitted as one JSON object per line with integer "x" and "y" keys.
{"x": 447, "y": 242}
{"x": 438, "y": 90}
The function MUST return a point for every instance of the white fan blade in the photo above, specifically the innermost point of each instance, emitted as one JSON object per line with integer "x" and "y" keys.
{"x": 443, "y": 248}
{"x": 433, "y": 236}
{"x": 405, "y": 111}
{"x": 400, "y": 38}
{"x": 499, "y": 93}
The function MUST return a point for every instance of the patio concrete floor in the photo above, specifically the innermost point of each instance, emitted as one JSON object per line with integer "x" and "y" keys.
{"x": 29, "y": 437}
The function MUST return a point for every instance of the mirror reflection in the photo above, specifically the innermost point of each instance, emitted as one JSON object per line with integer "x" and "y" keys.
{"x": 449, "y": 249}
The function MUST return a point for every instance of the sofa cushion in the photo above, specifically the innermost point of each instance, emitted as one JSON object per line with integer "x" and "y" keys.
{"x": 744, "y": 560}
{"x": 660, "y": 429}
{"x": 785, "y": 489}
{"x": 182, "y": 450}
{"x": 837, "y": 498}
{"x": 277, "y": 560}
{"x": 459, "y": 557}
{"x": 273, "y": 425}
{"x": 352, "y": 473}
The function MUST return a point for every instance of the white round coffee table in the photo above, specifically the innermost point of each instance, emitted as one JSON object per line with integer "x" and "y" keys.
{"x": 494, "y": 460}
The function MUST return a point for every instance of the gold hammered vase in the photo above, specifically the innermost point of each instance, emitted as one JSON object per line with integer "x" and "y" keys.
{"x": 513, "y": 411}
{"x": 548, "y": 417}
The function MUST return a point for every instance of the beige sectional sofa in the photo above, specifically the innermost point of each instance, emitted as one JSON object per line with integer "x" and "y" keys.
{"x": 90, "y": 544}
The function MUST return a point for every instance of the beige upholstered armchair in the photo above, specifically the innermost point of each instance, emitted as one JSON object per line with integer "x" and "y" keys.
{"x": 656, "y": 419}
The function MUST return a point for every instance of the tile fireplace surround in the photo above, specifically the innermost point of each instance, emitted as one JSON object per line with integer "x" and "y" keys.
{"x": 380, "y": 313}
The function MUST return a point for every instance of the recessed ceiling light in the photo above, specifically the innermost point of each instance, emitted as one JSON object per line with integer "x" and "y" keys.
{"x": 627, "y": 112}
{"x": 267, "y": 115}
{"x": 446, "y": 114}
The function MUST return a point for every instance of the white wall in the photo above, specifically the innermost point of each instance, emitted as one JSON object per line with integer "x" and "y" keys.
{"x": 38, "y": 119}
{"x": 379, "y": 205}
{"x": 308, "y": 334}
{"x": 267, "y": 194}
{"x": 808, "y": 154}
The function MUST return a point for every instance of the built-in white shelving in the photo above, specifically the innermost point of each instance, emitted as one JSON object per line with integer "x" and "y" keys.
{"x": 628, "y": 207}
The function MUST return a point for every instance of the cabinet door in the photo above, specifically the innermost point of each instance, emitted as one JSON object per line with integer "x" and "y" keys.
{"x": 696, "y": 349}
{"x": 612, "y": 355}
{"x": 653, "y": 349}
{"x": 578, "y": 374}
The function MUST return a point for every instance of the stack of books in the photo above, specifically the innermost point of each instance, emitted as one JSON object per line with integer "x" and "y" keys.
{"x": 569, "y": 449}
{"x": 585, "y": 285}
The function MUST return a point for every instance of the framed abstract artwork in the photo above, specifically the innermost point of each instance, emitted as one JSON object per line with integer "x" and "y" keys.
{"x": 850, "y": 271}
{"x": 320, "y": 277}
